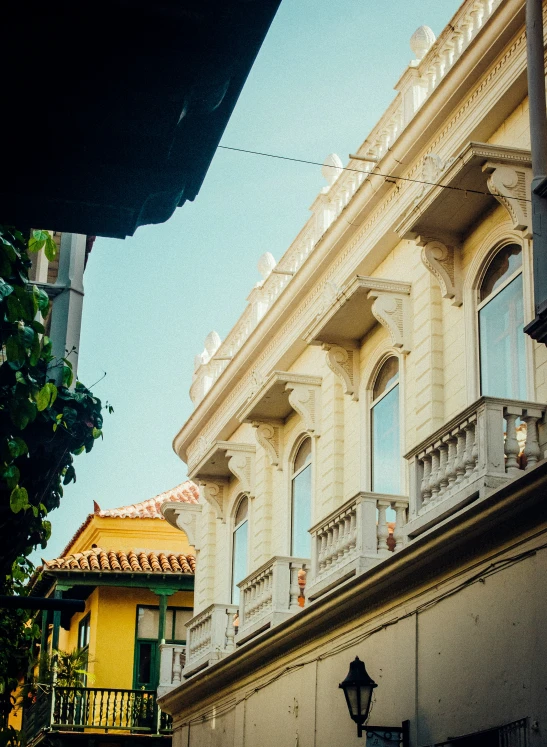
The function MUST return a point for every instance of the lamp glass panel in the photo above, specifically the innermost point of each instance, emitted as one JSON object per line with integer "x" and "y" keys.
{"x": 352, "y": 697}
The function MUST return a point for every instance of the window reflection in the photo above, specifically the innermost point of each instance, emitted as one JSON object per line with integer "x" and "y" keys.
{"x": 501, "y": 323}
{"x": 240, "y": 544}
{"x": 386, "y": 458}
{"x": 301, "y": 502}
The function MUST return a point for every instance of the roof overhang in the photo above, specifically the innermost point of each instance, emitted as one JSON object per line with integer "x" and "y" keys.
{"x": 272, "y": 401}
{"x": 441, "y": 212}
{"x": 116, "y": 107}
{"x": 215, "y": 464}
{"x": 350, "y": 315}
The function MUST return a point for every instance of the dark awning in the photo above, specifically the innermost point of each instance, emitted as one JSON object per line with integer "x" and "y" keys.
{"x": 112, "y": 109}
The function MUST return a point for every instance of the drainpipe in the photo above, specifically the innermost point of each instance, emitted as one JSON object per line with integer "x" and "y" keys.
{"x": 537, "y": 329}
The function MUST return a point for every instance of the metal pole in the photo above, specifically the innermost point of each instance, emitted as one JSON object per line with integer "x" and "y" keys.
{"x": 538, "y": 139}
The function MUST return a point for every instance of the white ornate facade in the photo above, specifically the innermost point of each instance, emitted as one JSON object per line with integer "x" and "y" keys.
{"x": 381, "y": 368}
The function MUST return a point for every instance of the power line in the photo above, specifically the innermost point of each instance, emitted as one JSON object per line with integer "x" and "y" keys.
{"x": 374, "y": 173}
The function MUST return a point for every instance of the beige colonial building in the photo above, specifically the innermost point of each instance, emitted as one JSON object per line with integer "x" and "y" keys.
{"x": 376, "y": 418}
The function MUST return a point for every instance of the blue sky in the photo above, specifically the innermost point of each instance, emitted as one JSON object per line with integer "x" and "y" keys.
{"x": 322, "y": 79}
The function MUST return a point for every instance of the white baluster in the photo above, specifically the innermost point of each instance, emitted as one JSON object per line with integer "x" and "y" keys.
{"x": 451, "y": 463}
{"x": 469, "y": 444}
{"x": 443, "y": 458}
{"x": 400, "y": 516}
{"x": 425, "y": 489}
{"x": 295, "y": 590}
{"x": 460, "y": 456}
{"x": 531, "y": 450}
{"x": 511, "y": 443}
{"x": 434, "y": 479}
{"x": 382, "y": 531}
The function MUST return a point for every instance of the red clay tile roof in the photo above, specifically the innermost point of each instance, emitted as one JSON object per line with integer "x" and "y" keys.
{"x": 186, "y": 492}
{"x": 144, "y": 561}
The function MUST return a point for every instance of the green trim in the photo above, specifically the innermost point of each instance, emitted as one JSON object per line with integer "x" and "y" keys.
{"x": 170, "y": 585}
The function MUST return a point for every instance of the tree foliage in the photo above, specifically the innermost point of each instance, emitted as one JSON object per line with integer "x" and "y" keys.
{"x": 45, "y": 419}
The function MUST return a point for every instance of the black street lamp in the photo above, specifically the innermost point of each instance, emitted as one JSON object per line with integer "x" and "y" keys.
{"x": 358, "y": 687}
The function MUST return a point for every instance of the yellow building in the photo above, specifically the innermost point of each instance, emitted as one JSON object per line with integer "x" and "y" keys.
{"x": 136, "y": 575}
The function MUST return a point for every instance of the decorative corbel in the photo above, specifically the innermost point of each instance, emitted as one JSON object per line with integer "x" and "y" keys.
{"x": 511, "y": 186}
{"x": 214, "y": 492}
{"x": 268, "y": 436}
{"x": 344, "y": 362}
{"x": 391, "y": 310}
{"x": 443, "y": 261}
{"x": 304, "y": 399}
{"x": 241, "y": 465}
{"x": 187, "y": 518}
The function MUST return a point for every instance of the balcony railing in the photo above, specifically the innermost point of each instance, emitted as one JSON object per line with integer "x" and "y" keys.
{"x": 489, "y": 443}
{"x": 172, "y": 662}
{"x": 94, "y": 708}
{"x": 210, "y": 636}
{"x": 353, "y": 538}
{"x": 269, "y": 595}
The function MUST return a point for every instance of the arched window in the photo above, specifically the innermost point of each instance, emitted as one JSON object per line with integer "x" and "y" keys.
{"x": 501, "y": 322}
{"x": 240, "y": 540}
{"x": 301, "y": 501}
{"x": 386, "y": 456}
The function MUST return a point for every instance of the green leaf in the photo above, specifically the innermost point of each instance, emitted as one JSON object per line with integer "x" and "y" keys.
{"x": 17, "y": 447}
{"x": 97, "y": 432}
{"x": 15, "y": 352}
{"x": 5, "y": 288}
{"x": 35, "y": 351}
{"x": 22, "y": 412}
{"x": 51, "y": 248}
{"x": 76, "y": 452}
{"x": 27, "y": 335}
{"x": 70, "y": 475}
{"x": 18, "y": 499}
{"x": 15, "y": 310}
{"x": 42, "y": 299}
{"x": 46, "y": 396}
{"x": 37, "y": 241}
{"x": 11, "y": 476}
{"x": 38, "y": 327}
{"x": 67, "y": 375}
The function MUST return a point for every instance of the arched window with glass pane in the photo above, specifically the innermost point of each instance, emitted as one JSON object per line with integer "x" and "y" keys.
{"x": 301, "y": 501}
{"x": 240, "y": 542}
{"x": 386, "y": 452}
{"x": 501, "y": 322}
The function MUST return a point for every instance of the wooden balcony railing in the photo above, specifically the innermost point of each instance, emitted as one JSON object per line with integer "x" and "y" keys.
{"x": 94, "y": 708}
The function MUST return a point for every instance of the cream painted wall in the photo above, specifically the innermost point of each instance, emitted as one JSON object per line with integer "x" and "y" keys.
{"x": 424, "y": 665}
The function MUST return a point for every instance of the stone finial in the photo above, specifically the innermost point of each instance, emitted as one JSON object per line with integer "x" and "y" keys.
{"x": 421, "y": 41}
{"x": 332, "y": 168}
{"x": 266, "y": 263}
{"x": 212, "y": 343}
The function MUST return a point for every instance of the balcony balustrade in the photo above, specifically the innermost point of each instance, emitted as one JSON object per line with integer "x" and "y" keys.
{"x": 172, "y": 662}
{"x": 269, "y": 595}
{"x": 353, "y": 538}
{"x": 210, "y": 637}
{"x": 489, "y": 443}
{"x": 94, "y": 708}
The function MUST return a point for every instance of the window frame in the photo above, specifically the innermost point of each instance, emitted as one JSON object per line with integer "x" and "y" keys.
{"x": 484, "y": 252}
{"x": 371, "y": 405}
{"x": 234, "y": 527}
{"x": 297, "y": 445}
{"x": 375, "y": 358}
{"x": 153, "y": 641}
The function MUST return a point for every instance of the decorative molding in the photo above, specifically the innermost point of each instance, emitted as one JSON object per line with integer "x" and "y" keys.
{"x": 268, "y": 436}
{"x": 241, "y": 465}
{"x": 214, "y": 492}
{"x": 344, "y": 362}
{"x": 511, "y": 186}
{"x": 304, "y": 399}
{"x": 391, "y": 310}
{"x": 444, "y": 262}
{"x": 184, "y": 516}
{"x": 211, "y": 417}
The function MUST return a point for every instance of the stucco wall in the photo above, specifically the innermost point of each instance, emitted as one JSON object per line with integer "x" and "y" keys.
{"x": 462, "y": 655}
